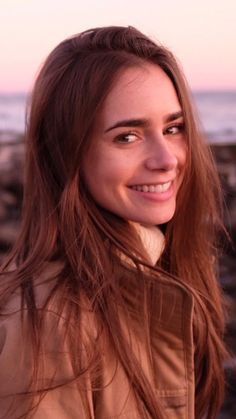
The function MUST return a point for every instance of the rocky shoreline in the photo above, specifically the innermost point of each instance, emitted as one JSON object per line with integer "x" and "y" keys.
{"x": 225, "y": 156}
{"x": 11, "y": 192}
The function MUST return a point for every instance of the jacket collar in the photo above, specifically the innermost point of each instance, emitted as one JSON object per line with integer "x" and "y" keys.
{"x": 153, "y": 240}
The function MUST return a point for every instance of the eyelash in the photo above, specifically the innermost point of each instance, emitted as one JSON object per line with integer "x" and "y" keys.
{"x": 180, "y": 126}
{"x": 121, "y": 137}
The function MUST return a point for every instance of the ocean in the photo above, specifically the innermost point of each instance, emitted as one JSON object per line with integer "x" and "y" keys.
{"x": 216, "y": 109}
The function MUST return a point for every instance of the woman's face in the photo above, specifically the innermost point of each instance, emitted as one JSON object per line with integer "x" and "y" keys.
{"x": 136, "y": 161}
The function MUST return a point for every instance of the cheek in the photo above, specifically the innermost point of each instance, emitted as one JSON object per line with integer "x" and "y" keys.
{"x": 108, "y": 171}
{"x": 183, "y": 158}
{"x": 110, "y": 163}
{"x": 181, "y": 152}
{"x": 104, "y": 171}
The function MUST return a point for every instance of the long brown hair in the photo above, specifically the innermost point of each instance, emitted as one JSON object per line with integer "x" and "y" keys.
{"x": 61, "y": 222}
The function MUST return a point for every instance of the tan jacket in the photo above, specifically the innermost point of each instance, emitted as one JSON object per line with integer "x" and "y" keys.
{"x": 171, "y": 374}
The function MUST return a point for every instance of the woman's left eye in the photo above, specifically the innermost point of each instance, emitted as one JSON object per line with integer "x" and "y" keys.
{"x": 174, "y": 129}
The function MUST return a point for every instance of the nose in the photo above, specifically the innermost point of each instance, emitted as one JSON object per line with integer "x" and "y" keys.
{"x": 161, "y": 156}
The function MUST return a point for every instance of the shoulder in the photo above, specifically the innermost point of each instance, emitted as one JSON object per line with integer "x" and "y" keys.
{"x": 55, "y": 320}
{"x": 54, "y": 303}
{"x": 56, "y": 339}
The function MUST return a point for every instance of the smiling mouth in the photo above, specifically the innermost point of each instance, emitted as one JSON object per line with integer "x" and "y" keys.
{"x": 157, "y": 188}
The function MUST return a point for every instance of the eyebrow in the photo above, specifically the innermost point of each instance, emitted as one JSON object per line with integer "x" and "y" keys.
{"x": 143, "y": 122}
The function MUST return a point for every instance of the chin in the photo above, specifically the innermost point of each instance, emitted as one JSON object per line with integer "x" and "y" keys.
{"x": 152, "y": 221}
{"x": 155, "y": 219}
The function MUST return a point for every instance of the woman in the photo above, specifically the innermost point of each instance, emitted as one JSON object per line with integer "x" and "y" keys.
{"x": 109, "y": 301}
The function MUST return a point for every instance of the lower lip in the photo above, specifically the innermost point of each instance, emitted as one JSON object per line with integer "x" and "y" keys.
{"x": 156, "y": 196}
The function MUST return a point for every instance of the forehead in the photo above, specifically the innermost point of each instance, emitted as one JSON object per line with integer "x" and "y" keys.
{"x": 138, "y": 92}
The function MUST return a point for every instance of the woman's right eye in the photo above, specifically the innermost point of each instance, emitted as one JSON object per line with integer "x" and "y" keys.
{"x": 127, "y": 138}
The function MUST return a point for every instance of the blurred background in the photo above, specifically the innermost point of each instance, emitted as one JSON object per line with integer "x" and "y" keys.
{"x": 201, "y": 34}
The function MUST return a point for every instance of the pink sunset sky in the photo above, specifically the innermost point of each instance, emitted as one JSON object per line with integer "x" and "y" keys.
{"x": 202, "y": 34}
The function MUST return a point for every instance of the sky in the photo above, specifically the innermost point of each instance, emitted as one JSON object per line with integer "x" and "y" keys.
{"x": 201, "y": 34}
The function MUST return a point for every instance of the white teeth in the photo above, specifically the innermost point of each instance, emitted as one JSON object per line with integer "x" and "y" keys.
{"x": 166, "y": 186}
{"x": 159, "y": 188}
{"x": 152, "y": 188}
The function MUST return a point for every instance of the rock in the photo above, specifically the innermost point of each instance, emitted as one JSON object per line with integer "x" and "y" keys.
{"x": 11, "y": 191}
{"x": 225, "y": 156}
